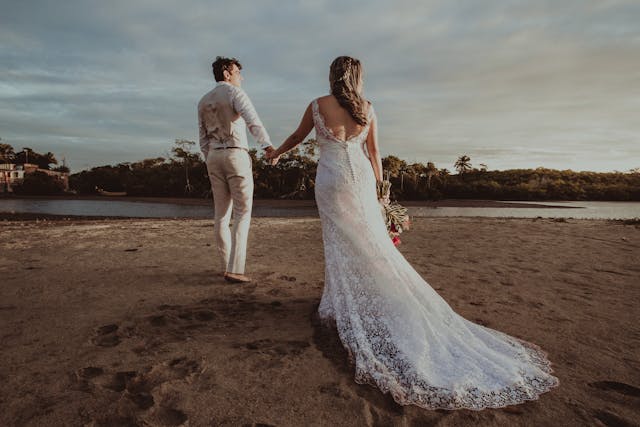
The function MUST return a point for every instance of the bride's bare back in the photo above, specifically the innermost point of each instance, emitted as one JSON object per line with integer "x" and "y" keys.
{"x": 343, "y": 127}
{"x": 337, "y": 118}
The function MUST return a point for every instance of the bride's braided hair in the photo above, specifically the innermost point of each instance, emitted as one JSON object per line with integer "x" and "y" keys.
{"x": 345, "y": 78}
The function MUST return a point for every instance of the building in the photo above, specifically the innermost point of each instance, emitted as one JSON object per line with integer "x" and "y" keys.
{"x": 12, "y": 174}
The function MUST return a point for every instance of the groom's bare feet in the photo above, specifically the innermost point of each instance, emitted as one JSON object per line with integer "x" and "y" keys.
{"x": 236, "y": 278}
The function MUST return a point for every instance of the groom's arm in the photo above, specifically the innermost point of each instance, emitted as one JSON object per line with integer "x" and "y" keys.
{"x": 204, "y": 141}
{"x": 242, "y": 104}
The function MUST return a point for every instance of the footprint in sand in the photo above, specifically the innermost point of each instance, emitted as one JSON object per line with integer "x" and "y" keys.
{"x": 182, "y": 367}
{"x": 334, "y": 389}
{"x": 86, "y": 379}
{"x": 138, "y": 387}
{"x": 276, "y": 348}
{"x": 119, "y": 380}
{"x": 175, "y": 307}
{"x": 115, "y": 420}
{"x": 170, "y": 417}
{"x": 275, "y": 292}
{"x": 143, "y": 400}
{"x": 188, "y": 317}
{"x": 161, "y": 417}
{"x": 107, "y": 336}
{"x": 618, "y": 387}
{"x": 196, "y": 314}
{"x": 610, "y": 419}
{"x": 90, "y": 372}
{"x": 170, "y": 323}
{"x": 158, "y": 320}
{"x": 82, "y": 379}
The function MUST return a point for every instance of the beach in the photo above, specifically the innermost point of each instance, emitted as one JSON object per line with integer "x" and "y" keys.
{"x": 128, "y": 322}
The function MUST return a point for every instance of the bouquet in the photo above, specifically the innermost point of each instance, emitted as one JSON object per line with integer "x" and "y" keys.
{"x": 394, "y": 214}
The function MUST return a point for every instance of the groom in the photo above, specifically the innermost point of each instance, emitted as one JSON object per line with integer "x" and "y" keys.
{"x": 223, "y": 114}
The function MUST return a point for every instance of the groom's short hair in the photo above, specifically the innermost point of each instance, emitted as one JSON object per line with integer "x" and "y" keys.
{"x": 222, "y": 64}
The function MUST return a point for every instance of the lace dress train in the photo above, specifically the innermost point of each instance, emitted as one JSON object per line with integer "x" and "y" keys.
{"x": 401, "y": 335}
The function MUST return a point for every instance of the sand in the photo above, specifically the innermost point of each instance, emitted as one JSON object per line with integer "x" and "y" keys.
{"x": 128, "y": 322}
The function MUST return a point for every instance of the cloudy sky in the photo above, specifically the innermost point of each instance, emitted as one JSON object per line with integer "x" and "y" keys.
{"x": 512, "y": 84}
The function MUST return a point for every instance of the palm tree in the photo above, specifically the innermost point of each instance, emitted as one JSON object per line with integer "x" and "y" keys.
{"x": 432, "y": 171}
{"x": 443, "y": 175}
{"x": 6, "y": 152}
{"x": 417, "y": 171}
{"x": 463, "y": 164}
{"x": 393, "y": 165}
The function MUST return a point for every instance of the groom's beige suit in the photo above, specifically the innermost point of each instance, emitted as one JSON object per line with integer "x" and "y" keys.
{"x": 223, "y": 115}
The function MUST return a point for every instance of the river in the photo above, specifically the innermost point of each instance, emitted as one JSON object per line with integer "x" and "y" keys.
{"x": 86, "y": 207}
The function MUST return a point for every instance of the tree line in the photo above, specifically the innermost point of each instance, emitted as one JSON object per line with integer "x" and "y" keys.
{"x": 184, "y": 174}
{"x": 27, "y": 155}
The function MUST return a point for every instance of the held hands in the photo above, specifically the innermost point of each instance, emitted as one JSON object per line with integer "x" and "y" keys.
{"x": 383, "y": 188}
{"x": 270, "y": 154}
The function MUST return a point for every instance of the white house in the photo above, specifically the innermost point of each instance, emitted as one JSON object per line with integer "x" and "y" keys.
{"x": 11, "y": 174}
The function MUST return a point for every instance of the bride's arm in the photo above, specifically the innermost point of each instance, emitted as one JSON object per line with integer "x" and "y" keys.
{"x": 306, "y": 124}
{"x": 373, "y": 149}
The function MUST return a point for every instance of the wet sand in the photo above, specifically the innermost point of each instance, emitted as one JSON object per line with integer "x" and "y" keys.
{"x": 128, "y": 322}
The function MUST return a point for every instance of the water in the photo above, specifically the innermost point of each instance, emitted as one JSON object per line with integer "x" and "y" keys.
{"x": 582, "y": 210}
{"x": 133, "y": 209}
{"x": 579, "y": 210}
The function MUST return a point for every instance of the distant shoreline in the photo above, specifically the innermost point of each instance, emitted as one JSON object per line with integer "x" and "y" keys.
{"x": 287, "y": 203}
{"x": 307, "y": 206}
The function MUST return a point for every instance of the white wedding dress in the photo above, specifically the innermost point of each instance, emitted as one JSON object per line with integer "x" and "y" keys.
{"x": 401, "y": 335}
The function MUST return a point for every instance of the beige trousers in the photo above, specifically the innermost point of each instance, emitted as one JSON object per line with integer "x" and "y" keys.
{"x": 232, "y": 187}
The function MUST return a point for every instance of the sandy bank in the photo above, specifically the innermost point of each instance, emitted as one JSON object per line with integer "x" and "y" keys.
{"x": 128, "y": 322}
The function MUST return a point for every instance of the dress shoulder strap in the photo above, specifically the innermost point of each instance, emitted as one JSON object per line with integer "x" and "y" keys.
{"x": 371, "y": 114}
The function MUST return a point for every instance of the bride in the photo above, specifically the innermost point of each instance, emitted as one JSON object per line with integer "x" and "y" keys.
{"x": 403, "y": 337}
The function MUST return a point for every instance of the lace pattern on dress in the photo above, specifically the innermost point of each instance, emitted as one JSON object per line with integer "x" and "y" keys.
{"x": 400, "y": 334}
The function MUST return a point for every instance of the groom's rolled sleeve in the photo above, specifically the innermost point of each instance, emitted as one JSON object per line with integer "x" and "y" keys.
{"x": 242, "y": 104}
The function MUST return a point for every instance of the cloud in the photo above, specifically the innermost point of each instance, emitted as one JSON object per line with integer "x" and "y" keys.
{"x": 511, "y": 83}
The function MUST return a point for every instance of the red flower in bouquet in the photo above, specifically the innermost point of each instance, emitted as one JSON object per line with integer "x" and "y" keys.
{"x": 396, "y": 240}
